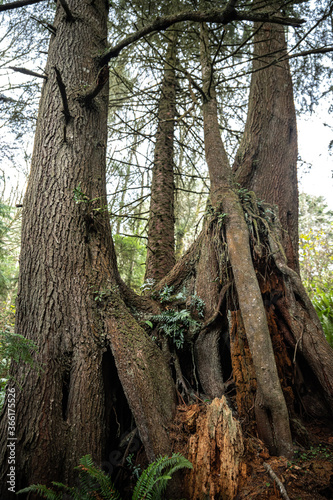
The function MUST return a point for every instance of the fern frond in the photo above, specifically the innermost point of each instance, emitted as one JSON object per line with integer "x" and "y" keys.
{"x": 153, "y": 480}
{"x": 73, "y": 493}
{"x": 43, "y": 491}
{"x": 94, "y": 479}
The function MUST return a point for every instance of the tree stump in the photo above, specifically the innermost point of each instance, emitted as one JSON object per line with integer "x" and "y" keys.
{"x": 216, "y": 451}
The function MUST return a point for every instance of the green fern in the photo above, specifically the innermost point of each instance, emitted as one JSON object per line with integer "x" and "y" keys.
{"x": 42, "y": 491}
{"x": 94, "y": 483}
{"x": 94, "y": 479}
{"x": 176, "y": 324}
{"x": 153, "y": 480}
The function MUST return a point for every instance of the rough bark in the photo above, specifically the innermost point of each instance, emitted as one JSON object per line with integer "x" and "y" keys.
{"x": 74, "y": 305}
{"x": 273, "y": 420}
{"x": 207, "y": 285}
{"x": 161, "y": 232}
{"x": 305, "y": 328}
{"x": 68, "y": 299}
{"x": 266, "y": 161}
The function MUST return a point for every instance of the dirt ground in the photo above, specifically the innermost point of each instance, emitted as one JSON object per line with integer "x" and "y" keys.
{"x": 308, "y": 476}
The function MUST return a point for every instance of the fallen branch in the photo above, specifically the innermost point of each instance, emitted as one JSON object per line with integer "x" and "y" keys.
{"x": 272, "y": 474}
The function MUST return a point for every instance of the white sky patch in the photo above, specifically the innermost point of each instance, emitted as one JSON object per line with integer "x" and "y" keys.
{"x": 313, "y": 141}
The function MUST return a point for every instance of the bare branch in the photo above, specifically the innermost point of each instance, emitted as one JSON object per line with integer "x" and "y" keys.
{"x": 63, "y": 94}
{"x": 224, "y": 16}
{"x": 27, "y": 72}
{"x": 47, "y": 26}
{"x": 19, "y": 3}
{"x": 3, "y": 98}
{"x": 319, "y": 50}
{"x": 69, "y": 15}
{"x": 95, "y": 89}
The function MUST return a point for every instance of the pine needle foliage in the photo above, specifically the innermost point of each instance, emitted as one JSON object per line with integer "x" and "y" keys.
{"x": 95, "y": 484}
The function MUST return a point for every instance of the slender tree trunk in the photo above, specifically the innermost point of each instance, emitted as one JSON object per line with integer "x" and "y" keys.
{"x": 68, "y": 299}
{"x": 266, "y": 161}
{"x": 272, "y": 420}
{"x": 161, "y": 232}
{"x": 266, "y": 164}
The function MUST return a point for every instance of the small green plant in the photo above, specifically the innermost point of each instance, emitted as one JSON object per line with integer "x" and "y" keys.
{"x": 101, "y": 295}
{"x": 221, "y": 218}
{"x": 147, "y": 286}
{"x": 14, "y": 347}
{"x": 165, "y": 293}
{"x": 79, "y": 196}
{"x": 154, "y": 480}
{"x": 319, "y": 451}
{"x": 94, "y": 483}
{"x": 323, "y": 303}
{"x": 198, "y": 304}
{"x": 175, "y": 324}
{"x": 136, "y": 469}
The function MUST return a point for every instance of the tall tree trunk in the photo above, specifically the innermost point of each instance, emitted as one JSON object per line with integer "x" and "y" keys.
{"x": 161, "y": 231}
{"x": 266, "y": 164}
{"x": 266, "y": 161}
{"x": 68, "y": 299}
{"x": 272, "y": 414}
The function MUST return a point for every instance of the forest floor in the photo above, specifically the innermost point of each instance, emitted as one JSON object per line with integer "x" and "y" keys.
{"x": 308, "y": 476}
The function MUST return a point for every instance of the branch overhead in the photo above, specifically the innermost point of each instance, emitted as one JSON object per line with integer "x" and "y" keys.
{"x": 222, "y": 16}
{"x": 17, "y": 4}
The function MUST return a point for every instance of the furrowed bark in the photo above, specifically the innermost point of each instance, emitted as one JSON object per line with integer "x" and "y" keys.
{"x": 266, "y": 161}
{"x": 270, "y": 400}
{"x": 161, "y": 227}
{"x": 69, "y": 287}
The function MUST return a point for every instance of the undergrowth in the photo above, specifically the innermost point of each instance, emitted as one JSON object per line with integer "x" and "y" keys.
{"x": 96, "y": 484}
{"x": 177, "y": 321}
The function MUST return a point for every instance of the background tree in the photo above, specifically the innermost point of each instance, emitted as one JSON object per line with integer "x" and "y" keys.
{"x": 161, "y": 240}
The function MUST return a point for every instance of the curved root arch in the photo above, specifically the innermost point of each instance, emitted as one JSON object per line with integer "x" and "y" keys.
{"x": 217, "y": 359}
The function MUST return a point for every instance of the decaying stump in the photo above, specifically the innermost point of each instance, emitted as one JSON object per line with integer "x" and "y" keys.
{"x": 215, "y": 450}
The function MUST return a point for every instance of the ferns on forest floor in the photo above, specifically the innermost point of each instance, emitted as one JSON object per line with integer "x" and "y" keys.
{"x": 95, "y": 484}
